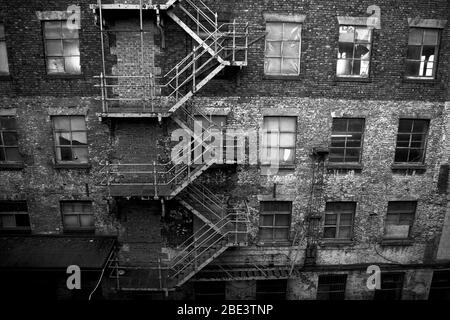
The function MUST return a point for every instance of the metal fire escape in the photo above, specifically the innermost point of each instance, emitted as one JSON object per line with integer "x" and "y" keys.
{"x": 146, "y": 93}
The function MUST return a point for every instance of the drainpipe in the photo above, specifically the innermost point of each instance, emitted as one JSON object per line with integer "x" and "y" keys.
{"x": 159, "y": 26}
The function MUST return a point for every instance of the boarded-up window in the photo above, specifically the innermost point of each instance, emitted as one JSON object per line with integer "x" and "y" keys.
{"x": 283, "y": 46}
{"x": 411, "y": 141}
{"x": 62, "y": 48}
{"x": 399, "y": 219}
{"x": 331, "y": 287}
{"x": 354, "y": 51}
{"x": 70, "y": 139}
{"x": 391, "y": 287}
{"x": 346, "y": 140}
{"x": 279, "y": 136}
{"x": 271, "y": 290}
{"x": 4, "y": 68}
{"x": 9, "y": 149}
{"x": 77, "y": 215}
{"x": 423, "y": 47}
{"x": 14, "y": 216}
{"x": 275, "y": 220}
{"x": 339, "y": 218}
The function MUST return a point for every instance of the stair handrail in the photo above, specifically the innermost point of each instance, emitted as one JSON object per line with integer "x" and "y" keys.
{"x": 209, "y": 195}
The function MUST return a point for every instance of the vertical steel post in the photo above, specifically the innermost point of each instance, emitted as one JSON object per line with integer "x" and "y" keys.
{"x": 141, "y": 30}
{"x": 155, "y": 179}
{"x": 193, "y": 70}
{"x": 234, "y": 39}
{"x": 99, "y": 3}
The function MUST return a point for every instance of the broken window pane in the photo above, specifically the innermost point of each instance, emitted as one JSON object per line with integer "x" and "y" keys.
{"x": 70, "y": 139}
{"x": 9, "y": 149}
{"x": 399, "y": 219}
{"x": 279, "y": 139}
{"x": 338, "y": 220}
{"x": 62, "y": 48}
{"x": 354, "y": 51}
{"x": 346, "y": 140}
{"x": 411, "y": 140}
{"x": 422, "y": 53}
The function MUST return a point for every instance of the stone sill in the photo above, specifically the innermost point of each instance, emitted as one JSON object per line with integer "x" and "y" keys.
{"x": 406, "y": 166}
{"x": 352, "y": 79}
{"x": 292, "y": 78}
{"x": 396, "y": 242}
{"x": 64, "y": 76}
{"x": 274, "y": 243}
{"x": 421, "y": 80}
{"x": 340, "y": 165}
{"x": 335, "y": 243}
{"x": 11, "y": 165}
{"x": 72, "y": 166}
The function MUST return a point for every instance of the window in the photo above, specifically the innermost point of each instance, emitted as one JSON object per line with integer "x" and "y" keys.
{"x": 399, "y": 219}
{"x": 331, "y": 287}
{"x": 279, "y": 135}
{"x": 209, "y": 290}
{"x": 271, "y": 290}
{"x": 423, "y": 46}
{"x": 62, "y": 48}
{"x": 346, "y": 140}
{"x": 391, "y": 287}
{"x": 9, "y": 149}
{"x": 70, "y": 139}
{"x": 354, "y": 51}
{"x": 275, "y": 220}
{"x": 440, "y": 286}
{"x": 77, "y": 216}
{"x": 4, "y": 68}
{"x": 411, "y": 141}
{"x": 14, "y": 216}
{"x": 282, "y": 53}
{"x": 339, "y": 220}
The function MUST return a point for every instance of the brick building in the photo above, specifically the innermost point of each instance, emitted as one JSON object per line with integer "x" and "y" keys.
{"x": 324, "y": 148}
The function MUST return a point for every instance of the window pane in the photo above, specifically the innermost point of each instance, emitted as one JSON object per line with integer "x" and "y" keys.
{"x": 71, "y": 48}
{"x": 291, "y": 50}
{"x": 61, "y": 123}
{"x": 87, "y": 220}
{"x": 344, "y": 67}
{"x": 64, "y": 154}
{"x": 355, "y": 125}
{"x": 78, "y": 123}
{"x": 55, "y": 65}
{"x": 63, "y": 138}
{"x": 414, "y": 52}
{"x": 346, "y": 219}
{"x": 271, "y": 123}
{"x": 71, "y": 221}
{"x": 54, "y": 47}
{"x": 430, "y": 37}
{"x": 288, "y": 124}
{"x": 287, "y": 155}
{"x": 338, "y": 142}
{"x": 415, "y": 36}
{"x": 8, "y": 123}
{"x": 80, "y": 155}
{"x": 415, "y": 155}
{"x": 330, "y": 219}
{"x": 52, "y": 29}
{"x": 329, "y": 232}
{"x": 4, "y": 68}
{"x": 72, "y": 65}
{"x": 8, "y": 221}
{"x": 290, "y": 67}
{"x": 337, "y": 155}
{"x": 69, "y": 33}
{"x": 287, "y": 140}
{"x": 22, "y": 220}
{"x": 274, "y": 31}
{"x": 266, "y": 220}
{"x": 273, "y": 49}
{"x": 345, "y": 232}
{"x": 401, "y": 155}
{"x": 266, "y": 233}
{"x": 362, "y": 51}
{"x": 292, "y": 31}
{"x": 346, "y": 34}
{"x": 282, "y": 220}
{"x": 412, "y": 68}
{"x": 10, "y": 139}
{"x": 2, "y": 30}
{"x": 281, "y": 234}
{"x": 345, "y": 50}
{"x": 363, "y": 34}
{"x": 2, "y": 154}
{"x": 272, "y": 65}
{"x": 428, "y": 53}
{"x": 12, "y": 154}
{"x": 79, "y": 138}
{"x": 405, "y": 125}
{"x": 420, "y": 126}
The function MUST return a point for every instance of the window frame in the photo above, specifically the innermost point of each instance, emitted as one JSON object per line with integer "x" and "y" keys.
{"x": 437, "y": 52}
{"x": 2, "y": 144}
{"x": 338, "y": 224}
{"x": 361, "y": 148}
{"x": 90, "y": 229}
{"x": 326, "y": 294}
{"x": 14, "y": 214}
{"x": 57, "y": 145}
{"x": 411, "y": 133}
{"x": 282, "y": 40}
{"x": 273, "y": 226}
{"x": 398, "y": 213}
{"x": 370, "y": 43}
{"x": 265, "y": 148}
{"x": 47, "y": 56}
{"x": 3, "y": 40}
